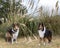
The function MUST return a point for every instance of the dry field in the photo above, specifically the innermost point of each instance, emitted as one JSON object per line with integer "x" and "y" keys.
{"x": 34, "y": 44}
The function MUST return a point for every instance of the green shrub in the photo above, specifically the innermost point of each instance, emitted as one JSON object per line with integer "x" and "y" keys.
{"x": 29, "y": 25}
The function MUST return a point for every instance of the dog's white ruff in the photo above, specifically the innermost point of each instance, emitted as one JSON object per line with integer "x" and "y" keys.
{"x": 41, "y": 33}
{"x": 15, "y": 35}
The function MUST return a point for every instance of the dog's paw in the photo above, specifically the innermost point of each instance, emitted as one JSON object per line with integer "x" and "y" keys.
{"x": 39, "y": 44}
{"x": 44, "y": 43}
{"x": 12, "y": 43}
{"x": 16, "y": 42}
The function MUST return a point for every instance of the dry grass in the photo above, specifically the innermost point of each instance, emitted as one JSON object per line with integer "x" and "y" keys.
{"x": 55, "y": 44}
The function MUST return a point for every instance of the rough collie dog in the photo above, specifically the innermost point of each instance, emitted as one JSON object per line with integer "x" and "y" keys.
{"x": 12, "y": 34}
{"x": 44, "y": 34}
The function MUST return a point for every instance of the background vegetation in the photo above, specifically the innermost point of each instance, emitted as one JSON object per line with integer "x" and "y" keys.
{"x": 16, "y": 12}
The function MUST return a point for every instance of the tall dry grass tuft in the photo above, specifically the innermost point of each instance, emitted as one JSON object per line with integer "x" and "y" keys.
{"x": 29, "y": 25}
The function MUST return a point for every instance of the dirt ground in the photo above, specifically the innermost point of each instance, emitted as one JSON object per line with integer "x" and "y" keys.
{"x": 34, "y": 44}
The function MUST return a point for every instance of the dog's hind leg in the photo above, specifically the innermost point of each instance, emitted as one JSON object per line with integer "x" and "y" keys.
{"x": 49, "y": 39}
{"x": 7, "y": 36}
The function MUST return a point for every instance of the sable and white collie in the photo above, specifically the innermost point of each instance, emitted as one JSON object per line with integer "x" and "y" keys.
{"x": 12, "y": 33}
{"x": 44, "y": 33}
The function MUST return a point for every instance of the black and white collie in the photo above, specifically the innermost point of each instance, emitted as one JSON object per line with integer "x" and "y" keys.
{"x": 12, "y": 34}
{"x": 44, "y": 34}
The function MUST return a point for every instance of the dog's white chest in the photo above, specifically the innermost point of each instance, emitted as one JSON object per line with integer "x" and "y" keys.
{"x": 15, "y": 35}
{"x": 41, "y": 33}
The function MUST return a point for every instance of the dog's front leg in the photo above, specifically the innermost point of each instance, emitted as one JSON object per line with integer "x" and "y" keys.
{"x": 12, "y": 40}
{"x": 40, "y": 41}
{"x": 16, "y": 41}
{"x": 44, "y": 39}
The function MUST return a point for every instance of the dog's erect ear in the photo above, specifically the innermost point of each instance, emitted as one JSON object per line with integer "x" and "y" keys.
{"x": 17, "y": 24}
{"x": 39, "y": 26}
